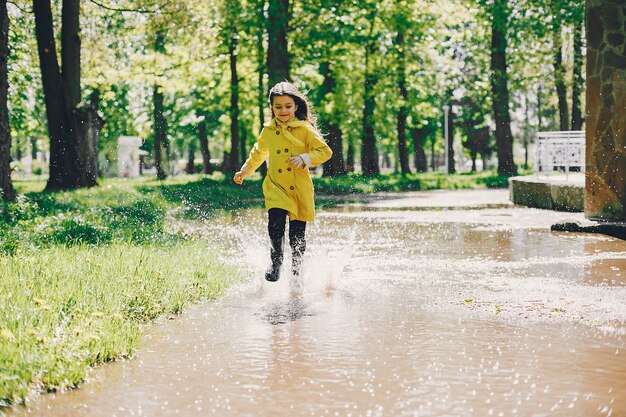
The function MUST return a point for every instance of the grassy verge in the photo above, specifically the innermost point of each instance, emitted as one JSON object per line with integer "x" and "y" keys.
{"x": 68, "y": 308}
{"x": 82, "y": 271}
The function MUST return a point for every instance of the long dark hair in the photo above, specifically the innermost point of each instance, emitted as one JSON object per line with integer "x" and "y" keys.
{"x": 285, "y": 88}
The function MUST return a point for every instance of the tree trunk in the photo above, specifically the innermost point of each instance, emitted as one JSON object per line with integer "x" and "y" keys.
{"x": 350, "y": 157}
{"x": 539, "y": 109}
{"x": 277, "y": 52}
{"x": 500, "y": 89}
{"x": 261, "y": 96}
{"x": 369, "y": 153}
{"x": 160, "y": 133}
{"x": 559, "y": 79}
{"x": 70, "y": 50}
{"x": 33, "y": 149}
{"x": 433, "y": 161}
{"x": 234, "y": 162}
{"x": 88, "y": 131}
{"x": 402, "y": 113}
{"x": 417, "y": 135}
{"x": 450, "y": 139}
{"x": 190, "y": 168}
{"x": 204, "y": 148}
{"x": 334, "y": 166}
{"x": 67, "y": 152}
{"x": 578, "y": 82}
{"x": 6, "y": 185}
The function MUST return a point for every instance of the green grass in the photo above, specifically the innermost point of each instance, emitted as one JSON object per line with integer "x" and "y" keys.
{"x": 355, "y": 183}
{"x": 67, "y": 308}
{"x": 82, "y": 271}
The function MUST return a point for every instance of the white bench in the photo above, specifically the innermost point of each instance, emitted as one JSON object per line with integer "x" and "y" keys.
{"x": 560, "y": 151}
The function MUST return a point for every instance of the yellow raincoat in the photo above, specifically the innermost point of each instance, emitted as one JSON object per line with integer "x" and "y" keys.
{"x": 284, "y": 187}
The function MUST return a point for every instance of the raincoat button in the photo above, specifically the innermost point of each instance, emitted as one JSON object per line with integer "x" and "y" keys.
{"x": 278, "y": 151}
{"x": 280, "y": 170}
{"x": 278, "y": 132}
{"x": 286, "y": 150}
{"x": 291, "y": 188}
{"x": 288, "y": 169}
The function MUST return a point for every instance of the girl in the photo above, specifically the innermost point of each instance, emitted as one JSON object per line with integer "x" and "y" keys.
{"x": 293, "y": 144}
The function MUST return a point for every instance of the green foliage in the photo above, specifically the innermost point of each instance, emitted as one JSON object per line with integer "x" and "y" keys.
{"x": 71, "y": 230}
{"x": 354, "y": 183}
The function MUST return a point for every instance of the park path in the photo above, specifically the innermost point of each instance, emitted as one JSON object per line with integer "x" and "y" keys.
{"x": 428, "y": 304}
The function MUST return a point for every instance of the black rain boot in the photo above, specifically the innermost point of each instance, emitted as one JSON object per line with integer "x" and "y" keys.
{"x": 276, "y": 255}
{"x": 297, "y": 253}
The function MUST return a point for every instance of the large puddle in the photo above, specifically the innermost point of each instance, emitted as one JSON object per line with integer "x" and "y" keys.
{"x": 414, "y": 307}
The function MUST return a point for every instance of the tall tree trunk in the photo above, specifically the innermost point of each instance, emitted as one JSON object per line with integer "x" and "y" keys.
{"x": 417, "y": 134}
{"x": 6, "y": 185}
{"x": 433, "y": 160}
{"x": 234, "y": 158}
{"x": 369, "y": 153}
{"x": 33, "y": 149}
{"x": 578, "y": 82}
{"x": 277, "y": 52}
{"x": 190, "y": 168}
{"x": 67, "y": 152}
{"x": 160, "y": 125}
{"x": 500, "y": 89}
{"x": 402, "y": 112}
{"x": 559, "y": 79}
{"x": 261, "y": 95}
{"x": 243, "y": 138}
{"x": 350, "y": 157}
{"x": 70, "y": 50}
{"x": 88, "y": 131}
{"x": 539, "y": 109}
{"x": 160, "y": 133}
{"x": 335, "y": 165}
{"x": 204, "y": 148}
{"x": 450, "y": 139}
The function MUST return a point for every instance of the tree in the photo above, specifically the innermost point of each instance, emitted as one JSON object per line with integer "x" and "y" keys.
{"x": 71, "y": 149}
{"x": 277, "y": 46}
{"x": 160, "y": 124}
{"x": 335, "y": 165}
{"x": 559, "y": 77}
{"x": 6, "y": 185}
{"x": 369, "y": 151}
{"x": 578, "y": 82}
{"x": 232, "y": 13}
{"x": 204, "y": 145}
{"x": 499, "y": 84}
{"x": 402, "y": 112}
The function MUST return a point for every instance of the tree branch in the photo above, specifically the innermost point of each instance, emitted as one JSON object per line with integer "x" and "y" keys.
{"x": 21, "y": 9}
{"x": 116, "y": 9}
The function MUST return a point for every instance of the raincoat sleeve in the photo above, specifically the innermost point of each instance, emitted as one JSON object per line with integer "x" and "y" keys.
{"x": 318, "y": 150}
{"x": 258, "y": 155}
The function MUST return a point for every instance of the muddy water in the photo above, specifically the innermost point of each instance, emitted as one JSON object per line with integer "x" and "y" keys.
{"x": 440, "y": 304}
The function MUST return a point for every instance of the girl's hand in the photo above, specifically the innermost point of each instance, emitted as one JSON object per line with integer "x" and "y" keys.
{"x": 239, "y": 177}
{"x": 296, "y": 162}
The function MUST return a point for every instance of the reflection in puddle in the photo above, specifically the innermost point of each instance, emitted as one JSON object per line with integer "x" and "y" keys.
{"x": 283, "y": 312}
{"x": 404, "y": 313}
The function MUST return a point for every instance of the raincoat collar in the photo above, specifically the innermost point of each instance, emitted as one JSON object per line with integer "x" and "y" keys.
{"x": 291, "y": 123}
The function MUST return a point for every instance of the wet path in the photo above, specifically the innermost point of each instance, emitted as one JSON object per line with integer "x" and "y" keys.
{"x": 441, "y": 304}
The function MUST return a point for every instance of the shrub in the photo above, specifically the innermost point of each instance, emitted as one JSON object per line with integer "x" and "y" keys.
{"x": 71, "y": 230}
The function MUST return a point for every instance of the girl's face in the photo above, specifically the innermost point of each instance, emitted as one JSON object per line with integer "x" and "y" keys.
{"x": 284, "y": 107}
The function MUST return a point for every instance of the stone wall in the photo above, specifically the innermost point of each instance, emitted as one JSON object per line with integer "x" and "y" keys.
{"x": 605, "y": 188}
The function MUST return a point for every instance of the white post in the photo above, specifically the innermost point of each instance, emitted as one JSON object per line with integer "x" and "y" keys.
{"x": 446, "y": 109}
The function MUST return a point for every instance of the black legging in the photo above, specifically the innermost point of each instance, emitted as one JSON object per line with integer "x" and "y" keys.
{"x": 276, "y": 229}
